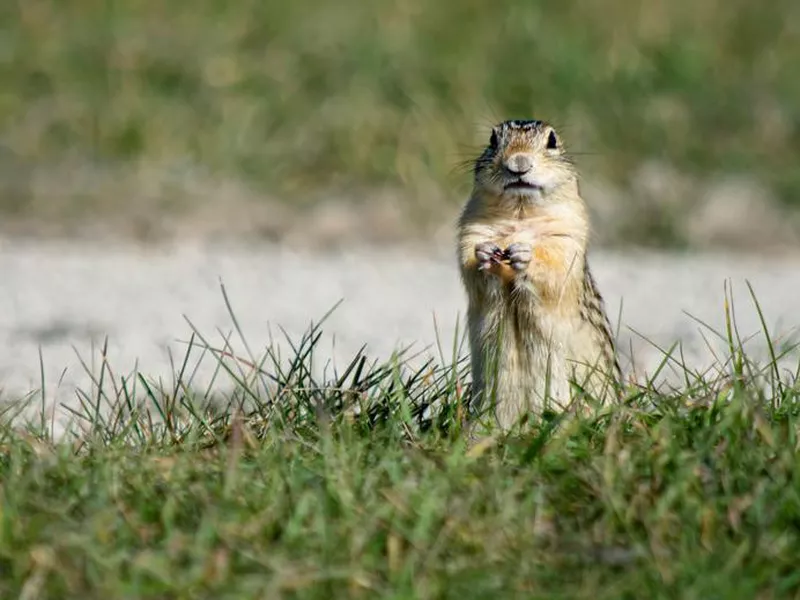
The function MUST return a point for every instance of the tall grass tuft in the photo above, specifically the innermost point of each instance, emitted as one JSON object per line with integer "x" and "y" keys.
{"x": 359, "y": 482}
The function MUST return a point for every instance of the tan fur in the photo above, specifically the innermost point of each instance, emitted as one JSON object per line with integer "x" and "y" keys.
{"x": 548, "y": 318}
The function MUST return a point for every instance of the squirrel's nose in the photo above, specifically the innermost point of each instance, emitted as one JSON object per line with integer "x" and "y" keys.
{"x": 519, "y": 163}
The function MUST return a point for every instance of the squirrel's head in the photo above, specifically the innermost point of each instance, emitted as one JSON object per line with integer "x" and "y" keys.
{"x": 524, "y": 162}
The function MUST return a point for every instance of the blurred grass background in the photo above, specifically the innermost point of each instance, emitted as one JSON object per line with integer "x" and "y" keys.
{"x": 141, "y": 111}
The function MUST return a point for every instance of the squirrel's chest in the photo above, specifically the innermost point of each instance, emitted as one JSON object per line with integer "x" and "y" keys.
{"x": 504, "y": 233}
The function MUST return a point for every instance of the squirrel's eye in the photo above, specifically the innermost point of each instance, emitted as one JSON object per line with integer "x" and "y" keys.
{"x": 493, "y": 139}
{"x": 552, "y": 140}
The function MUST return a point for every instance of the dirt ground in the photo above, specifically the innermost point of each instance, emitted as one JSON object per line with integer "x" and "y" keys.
{"x": 63, "y": 298}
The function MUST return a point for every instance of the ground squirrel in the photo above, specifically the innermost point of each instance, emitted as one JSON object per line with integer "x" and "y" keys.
{"x": 536, "y": 319}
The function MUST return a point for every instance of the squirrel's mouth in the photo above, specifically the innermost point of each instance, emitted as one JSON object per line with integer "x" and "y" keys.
{"x": 522, "y": 186}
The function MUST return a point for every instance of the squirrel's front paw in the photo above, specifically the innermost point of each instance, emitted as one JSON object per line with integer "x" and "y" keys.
{"x": 488, "y": 254}
{"x": 519, "y": 255}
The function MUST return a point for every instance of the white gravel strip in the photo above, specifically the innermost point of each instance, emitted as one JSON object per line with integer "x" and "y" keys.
{"x": 65, "y": 297}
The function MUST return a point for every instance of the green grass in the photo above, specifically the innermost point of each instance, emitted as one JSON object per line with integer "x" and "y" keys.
{"x": 277, "y": 489}
{"x": 308, "y": 98}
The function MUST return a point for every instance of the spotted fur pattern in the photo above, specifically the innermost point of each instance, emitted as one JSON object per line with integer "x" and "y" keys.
{"x": 537, "y": 330}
